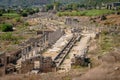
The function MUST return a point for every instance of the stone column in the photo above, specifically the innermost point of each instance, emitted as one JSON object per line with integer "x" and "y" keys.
{"x": 27, "y": 49}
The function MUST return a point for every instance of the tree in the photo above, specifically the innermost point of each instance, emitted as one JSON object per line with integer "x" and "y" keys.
{"x": 37, "y": 10}
{"x": 74, "y": 6}
{"x": 2, "y": 11}
{"x": 69, "y": 7}
{"x": 49, "y": 7}
{"x": 6, "y": 27}
{"x": 56, "y": 5}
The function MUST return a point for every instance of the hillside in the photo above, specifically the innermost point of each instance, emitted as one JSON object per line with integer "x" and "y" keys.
{"x": 23, "y": 2}
{"x": 42, "y": 2}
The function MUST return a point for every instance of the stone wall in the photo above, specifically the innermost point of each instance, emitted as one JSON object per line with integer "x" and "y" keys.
{"x": 11, "y": 57}
{"x": 2, "y": 64}
{"x": 71, "y": 21}
{"x": 42, "y": 64}
{"x": 53, "y": 37}
{"x": 47, "y": 65}
{"x": 80, "y": 61}
{"x": 114, "y": 5}
{"x": 26, "y": 66}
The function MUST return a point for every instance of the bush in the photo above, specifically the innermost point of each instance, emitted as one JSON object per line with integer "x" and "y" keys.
{"x": 26, "y": 24}
{"x": 17, "y": 19}
{"x": 0, "y": 14}
{"x": 24, "y": 14}
{"x": 118, "y": 13}
{"x": 6, "y": 27}
{"x": 31, "y": 12}
{"x": 103, "y": 17}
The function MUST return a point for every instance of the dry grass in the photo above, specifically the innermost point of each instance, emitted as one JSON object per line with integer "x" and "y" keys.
{"x": 108, "y": 70}
{"x": 111, "y": 20}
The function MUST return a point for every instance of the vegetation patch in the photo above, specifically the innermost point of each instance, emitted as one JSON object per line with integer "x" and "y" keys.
{"x": 6, "y": 27}
{"x": 10, "y": 37}
{"x": 11, "y": 15}
{"x": 108, "y": 41}
{"x": 93, "y": 12}
{"x": 7, "y": 36}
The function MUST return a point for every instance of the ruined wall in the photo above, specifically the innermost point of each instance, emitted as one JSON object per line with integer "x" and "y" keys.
{"x": 2, "y": 64}
{"x": 46, "y": 65}
{"x": 43, "y": 65}
{"x": 11, "y": 57}
{"x": 38, "y": 44}
{"x": 31, "y": 48}
{"x": 2, "y": 71}
{"x": 80, "y": 61}
{"x": 26, "y": 66}
{"x": 71, "y": 21}
{"x": 53, "y": 37}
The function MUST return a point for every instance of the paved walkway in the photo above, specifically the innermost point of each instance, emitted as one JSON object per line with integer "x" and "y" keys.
{"x": 78, "y": 50}
{"x": 56, "y": 48}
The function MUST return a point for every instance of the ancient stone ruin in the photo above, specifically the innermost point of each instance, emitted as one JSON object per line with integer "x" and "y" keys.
{"x": 29, "y": 54}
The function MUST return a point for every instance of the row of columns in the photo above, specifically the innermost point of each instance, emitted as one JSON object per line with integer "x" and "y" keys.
{"x": 40, "y": 44}
{"x": 34, "y": 48}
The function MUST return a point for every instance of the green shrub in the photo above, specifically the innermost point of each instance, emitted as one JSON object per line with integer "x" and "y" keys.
{"x": 24, "y": 14}
{"x": 6, "y": 27}
{"x": 18, "y": 19}
{"x": 26, "y": 24}
{"x": 0, "y": 14}
{"x": 31, "y": 12}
